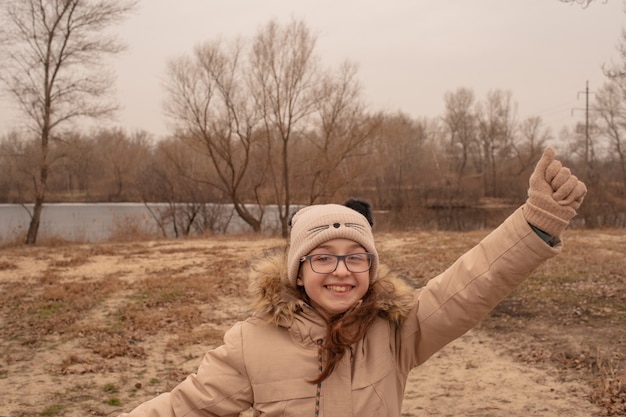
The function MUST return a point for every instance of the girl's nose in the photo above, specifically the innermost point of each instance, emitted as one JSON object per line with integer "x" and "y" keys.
{"x": 342, "y": 268}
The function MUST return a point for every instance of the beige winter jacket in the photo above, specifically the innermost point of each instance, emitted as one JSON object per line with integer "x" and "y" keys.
{"x": 267, "y": 361}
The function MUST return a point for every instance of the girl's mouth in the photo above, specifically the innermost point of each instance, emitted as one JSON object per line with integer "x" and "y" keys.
{"x": 338, "y": 288}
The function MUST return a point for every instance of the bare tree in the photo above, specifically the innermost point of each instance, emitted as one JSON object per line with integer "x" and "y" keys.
{"x": 170, "y": 178}
{"x": 266, "y": 116}
{"x": 338, "y": 138}
{"x": 611, "y": 107}
{"x": 611, "y": 110}
{"x": 461, "y": 125}
{"x": 210, "y": 107}
{"x": 401, "y": 163}
{"x": 52, "y": 58}
{"x": 15, "y": 174}
{"x": 496, "y": 125}
{"x": 120, "y": 158}
{"x": 284, "y": 77}
{"x": 530, "y": 142}
{"x": 72, "y": 175}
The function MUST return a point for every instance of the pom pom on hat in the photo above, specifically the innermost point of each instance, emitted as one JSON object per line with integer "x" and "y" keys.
{"x": 313, "y": 225}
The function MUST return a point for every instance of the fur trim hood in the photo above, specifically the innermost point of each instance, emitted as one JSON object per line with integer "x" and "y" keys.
{"x": 276, "y": 301}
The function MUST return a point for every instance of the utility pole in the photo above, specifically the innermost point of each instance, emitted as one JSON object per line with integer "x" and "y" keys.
{"x": 587, "y": 167}
{"x": 586, "y": 124}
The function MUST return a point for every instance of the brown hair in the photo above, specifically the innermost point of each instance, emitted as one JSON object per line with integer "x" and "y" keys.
{"x": 343, "y": 330}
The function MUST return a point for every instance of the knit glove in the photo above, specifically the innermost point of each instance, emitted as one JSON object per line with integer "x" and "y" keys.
{"x": 554, "y": 195}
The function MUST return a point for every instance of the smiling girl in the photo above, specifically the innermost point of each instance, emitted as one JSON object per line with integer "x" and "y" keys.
{"x": 335, "y": 333}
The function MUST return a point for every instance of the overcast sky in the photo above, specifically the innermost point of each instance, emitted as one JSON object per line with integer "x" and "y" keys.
{"x": 409, "y": 52}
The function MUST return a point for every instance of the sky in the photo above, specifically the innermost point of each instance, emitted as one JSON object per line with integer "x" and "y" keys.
{"x": 409, "y": 53}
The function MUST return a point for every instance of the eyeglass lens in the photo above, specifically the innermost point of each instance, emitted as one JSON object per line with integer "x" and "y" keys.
{"x": 327, "y": 263}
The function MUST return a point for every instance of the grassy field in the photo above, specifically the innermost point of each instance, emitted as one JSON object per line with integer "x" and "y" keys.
{"x": 86, "y": 329}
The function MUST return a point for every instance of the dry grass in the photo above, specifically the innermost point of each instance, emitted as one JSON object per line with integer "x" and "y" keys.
{"x": 576, "y": 311}
{"x": 571, "y": 314}
{"x": 90, "y": 315}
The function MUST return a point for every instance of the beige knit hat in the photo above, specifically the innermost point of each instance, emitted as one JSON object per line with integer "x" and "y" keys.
{"x": 314, "y": 225}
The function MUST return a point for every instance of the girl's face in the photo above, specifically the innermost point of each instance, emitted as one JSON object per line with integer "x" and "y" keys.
{"x": 334, "y": 292}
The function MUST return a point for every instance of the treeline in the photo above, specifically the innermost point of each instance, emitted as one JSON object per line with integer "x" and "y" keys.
{"x": 462, "y": 159}
{"x": 259, "y": 122}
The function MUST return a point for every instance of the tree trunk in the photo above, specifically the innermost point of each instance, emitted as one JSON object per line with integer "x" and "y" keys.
{"x": 40, "y": 185}
{"x": 35, "y": 221}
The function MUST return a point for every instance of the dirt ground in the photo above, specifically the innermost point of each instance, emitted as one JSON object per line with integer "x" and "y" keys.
{"x": 96, "y": 329}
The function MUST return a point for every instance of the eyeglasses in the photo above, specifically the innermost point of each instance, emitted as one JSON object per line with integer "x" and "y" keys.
{"x": 324, "y": 263}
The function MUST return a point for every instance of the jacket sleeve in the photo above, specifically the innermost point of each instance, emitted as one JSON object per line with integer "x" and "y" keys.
{"x": 219, "y": 388}
{"x": 459, "y": 298}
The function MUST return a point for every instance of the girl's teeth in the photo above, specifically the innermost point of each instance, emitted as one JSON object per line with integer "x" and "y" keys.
{"x": 337, "y": 288}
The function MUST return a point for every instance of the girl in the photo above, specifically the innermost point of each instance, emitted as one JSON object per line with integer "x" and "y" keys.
{"x": 334, "y": 333}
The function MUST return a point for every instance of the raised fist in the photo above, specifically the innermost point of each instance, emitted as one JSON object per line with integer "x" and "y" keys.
{"x": 554, "y": 195}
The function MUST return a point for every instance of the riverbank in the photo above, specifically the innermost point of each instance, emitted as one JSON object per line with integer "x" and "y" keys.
{"x": 94, "y": 329}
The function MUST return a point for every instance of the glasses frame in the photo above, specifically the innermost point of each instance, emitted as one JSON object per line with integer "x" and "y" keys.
{"x": 370, "y": 257}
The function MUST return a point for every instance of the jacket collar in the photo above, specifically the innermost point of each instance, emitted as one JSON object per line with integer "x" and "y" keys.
{"x": 277, "y": 302}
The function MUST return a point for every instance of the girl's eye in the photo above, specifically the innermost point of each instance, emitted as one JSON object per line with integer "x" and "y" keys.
{"x": 321, "y": 258}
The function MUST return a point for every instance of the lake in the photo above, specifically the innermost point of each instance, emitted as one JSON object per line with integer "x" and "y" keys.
{"x": 96, "y": 222}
